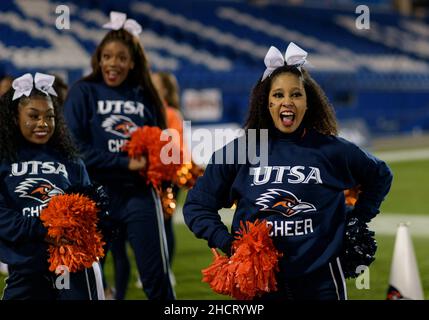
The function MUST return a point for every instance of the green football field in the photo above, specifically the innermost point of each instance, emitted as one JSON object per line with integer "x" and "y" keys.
{"x": 408, "y": 196}
{"x": 409, "y": 192}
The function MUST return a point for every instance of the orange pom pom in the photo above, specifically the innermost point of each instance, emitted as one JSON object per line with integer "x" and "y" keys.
{"x": 146, "y": 141}
{"x": 73, "y": 217}
{"x": 257, "y": 258}
{"x": 251, "y": 270}
{"x": 211, "y": 273}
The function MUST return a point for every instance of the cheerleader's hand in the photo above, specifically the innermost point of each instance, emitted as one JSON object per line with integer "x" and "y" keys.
{"x": 58, "y": 243}
{"x": 137, "y": 164}
{"x": 227, "y": 248}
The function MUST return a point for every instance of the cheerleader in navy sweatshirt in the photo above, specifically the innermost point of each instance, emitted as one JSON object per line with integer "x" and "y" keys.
{"x": 102, "y": 110}
{"x": 38, "y": 161}
{"x": 299, "y": 190}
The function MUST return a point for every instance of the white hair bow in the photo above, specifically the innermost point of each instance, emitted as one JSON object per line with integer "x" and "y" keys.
{"x": 24, "y": 84}
{"x": 294, "y": 56}
{"x": 119, "y": 20}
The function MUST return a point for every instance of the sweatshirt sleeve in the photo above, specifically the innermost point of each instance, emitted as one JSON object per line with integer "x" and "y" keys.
{"x": 81, "y": 176}
{"x": 77, "y": 115}
{"x": 14, "y": 227}
{"x": 374, "y": 178}
{"x": 211, "y": 193}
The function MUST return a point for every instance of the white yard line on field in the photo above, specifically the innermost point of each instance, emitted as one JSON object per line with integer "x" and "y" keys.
{"x": 403, "y": 155}
{"x": 387, "y": 223}
{"x": 226, "y": 216}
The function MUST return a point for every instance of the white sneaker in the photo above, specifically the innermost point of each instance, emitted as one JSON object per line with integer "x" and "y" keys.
{"x": 3, "y": 269}
{"x": 138, "y": 283}
{"x": 109, "y": 293}
{"x": 173, "y": 279}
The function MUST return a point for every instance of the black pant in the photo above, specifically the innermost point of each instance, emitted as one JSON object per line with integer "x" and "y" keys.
{"x": 47, "y": 285}
{"x": 138, "y": 211}
{"x": 326, "y": 283}
{"x": 121, "y": 262}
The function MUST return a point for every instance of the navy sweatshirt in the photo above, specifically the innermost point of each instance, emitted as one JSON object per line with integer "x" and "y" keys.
{"x": 27, "y": 186}
{"x": 101, "y": 119}
{"x": 299, "y": 193}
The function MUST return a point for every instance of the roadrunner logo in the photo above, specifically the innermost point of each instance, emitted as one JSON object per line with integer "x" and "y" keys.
{"x": 283, "y": 202}
{"x": 38, "y": 189}
{"x": 119, "y": 125}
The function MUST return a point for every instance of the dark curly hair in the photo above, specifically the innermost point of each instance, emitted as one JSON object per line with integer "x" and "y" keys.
{"x": 10, "y": 134}
{"x": 320, "y": 115}
{"x": 138, "y": 76}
